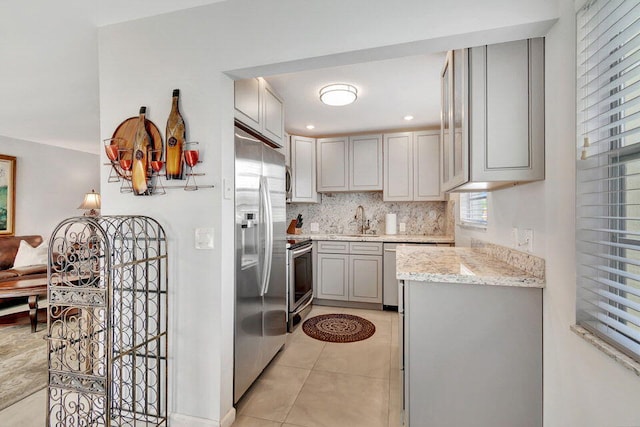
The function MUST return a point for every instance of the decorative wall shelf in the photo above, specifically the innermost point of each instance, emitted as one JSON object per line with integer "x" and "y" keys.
{"x": 121, "y": 161}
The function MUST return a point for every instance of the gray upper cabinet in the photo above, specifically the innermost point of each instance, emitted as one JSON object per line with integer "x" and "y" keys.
{"x": 412, "y": 166}
{"x": 303, "y": 169}
{"x": 365, "y": 163}
{"x": 426, "y": 166}
{"x": 350, "y": 163}
{"x": 333, "y": 164}
{"x": 260, "y": 108}
{"x": 398, "y": 167}
{"x": 248, "y": 102}
{"x": 493, "y": 116}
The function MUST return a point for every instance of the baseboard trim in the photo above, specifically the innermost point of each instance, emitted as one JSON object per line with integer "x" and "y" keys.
{"x": 229, "y": 418}
{"x": 181, "y": 420}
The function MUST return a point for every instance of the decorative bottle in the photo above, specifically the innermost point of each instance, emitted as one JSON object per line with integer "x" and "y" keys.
{"x": 141, "y": 144}
{"x": 175, "y": 140}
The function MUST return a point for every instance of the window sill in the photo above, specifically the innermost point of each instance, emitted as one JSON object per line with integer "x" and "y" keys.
{"x": 612, "y": 352}
{"x": 471, "y": 226}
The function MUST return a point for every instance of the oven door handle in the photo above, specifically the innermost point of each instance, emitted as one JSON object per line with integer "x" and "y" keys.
{"x": 307, "y": 304}
{"x": 297, "y": 252}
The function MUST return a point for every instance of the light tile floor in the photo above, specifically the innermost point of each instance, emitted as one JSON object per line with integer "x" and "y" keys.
{"x": 310, "y": 383}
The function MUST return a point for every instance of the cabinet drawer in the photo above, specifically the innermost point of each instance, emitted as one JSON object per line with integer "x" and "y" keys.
{"x": 365, "y": 248}
{"x": 333, "y": 247}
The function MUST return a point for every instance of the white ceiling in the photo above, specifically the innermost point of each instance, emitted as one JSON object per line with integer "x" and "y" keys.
{"x": 387, "y": 91}
{"x": 114, "y": 11}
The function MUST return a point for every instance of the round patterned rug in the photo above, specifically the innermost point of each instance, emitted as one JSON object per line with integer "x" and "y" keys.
{"x": 338, "y": 328}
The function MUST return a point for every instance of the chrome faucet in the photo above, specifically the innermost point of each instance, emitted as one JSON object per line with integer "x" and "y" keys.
{"x": 360, "y": 214}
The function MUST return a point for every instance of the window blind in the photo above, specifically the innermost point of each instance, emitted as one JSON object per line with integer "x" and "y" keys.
{"x": 608, "y": 172}
{"x": 473, "y": 209}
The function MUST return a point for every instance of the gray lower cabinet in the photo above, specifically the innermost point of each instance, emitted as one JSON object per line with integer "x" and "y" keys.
{"x": 349, "y": 271}
{"x": 365, "y": 278}
{"x": 472, "y": 355}
{"x": 333, "y": 277}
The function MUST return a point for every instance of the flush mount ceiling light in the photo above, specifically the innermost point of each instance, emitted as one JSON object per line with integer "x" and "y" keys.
{"x": 310, "y": 127}
{"x": 407, "y": 118}
{"x": 338, "y": 94}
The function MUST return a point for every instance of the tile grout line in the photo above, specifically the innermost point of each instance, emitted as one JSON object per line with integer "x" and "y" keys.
{"x": 303, "y": 384}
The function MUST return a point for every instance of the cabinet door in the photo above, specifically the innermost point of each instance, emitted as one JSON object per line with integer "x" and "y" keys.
{"x": 272, "y": 115}
{"x": 333, "y": 164}
{"x": 303, "y": 170}
{"x": 455, "y": 339}
{"x": 333, "y": 247}
{"x": 286, "y": 149}
{"x": 459, "y": 118}
{"x": 365, "y": 248}
{"x": 248, "y": 102}
{"x": 398, "y": 167}
{"x": 333, "y": 277}
{"x": 507, "y": 90}
{"x": 365, "y": 281}
{"x": 365, "y": 163}
{"x": 454, "y": 145}
{"x": 426, "y": 166}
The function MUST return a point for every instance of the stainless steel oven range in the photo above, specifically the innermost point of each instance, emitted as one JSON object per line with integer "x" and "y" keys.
{"x": 299, "y": 280}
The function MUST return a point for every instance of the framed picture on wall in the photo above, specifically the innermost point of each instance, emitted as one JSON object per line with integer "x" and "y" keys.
{"x": 7, "y": 195}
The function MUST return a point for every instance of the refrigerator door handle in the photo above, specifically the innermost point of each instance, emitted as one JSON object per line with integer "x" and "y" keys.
{"x": 268, "y": 247}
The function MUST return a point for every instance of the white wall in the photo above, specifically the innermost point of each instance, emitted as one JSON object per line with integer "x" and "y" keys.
{"x": 50, "y": 184}
{"x": 582, "y": 386}
{"x": 49, "y": 84}
{"x": 142, "y": 61}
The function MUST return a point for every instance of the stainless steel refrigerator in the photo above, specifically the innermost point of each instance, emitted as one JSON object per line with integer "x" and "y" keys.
{"x": 260, "y": 288}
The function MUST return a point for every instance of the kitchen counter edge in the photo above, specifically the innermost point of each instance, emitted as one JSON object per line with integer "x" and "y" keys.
{"x": 385, "y": 238}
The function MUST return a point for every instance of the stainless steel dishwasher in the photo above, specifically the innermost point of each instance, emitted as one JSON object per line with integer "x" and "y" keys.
{"x": 390, "y": 283}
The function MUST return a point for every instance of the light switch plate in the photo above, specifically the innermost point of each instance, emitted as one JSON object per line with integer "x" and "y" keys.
{"x": 227, "y": 188}
{"x": 526, "y": 239}
{"x": 204, "y": 238}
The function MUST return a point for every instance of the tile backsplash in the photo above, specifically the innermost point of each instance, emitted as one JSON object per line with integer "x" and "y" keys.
{"x": 336, "y": 214}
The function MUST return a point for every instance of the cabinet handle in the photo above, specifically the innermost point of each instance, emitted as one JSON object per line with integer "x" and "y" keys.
{"x": 389, "y": 250}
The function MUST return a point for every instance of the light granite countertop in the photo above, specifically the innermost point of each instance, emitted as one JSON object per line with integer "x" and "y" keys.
{"x": 387, "y": 238}
{"x": 465, "y": 265}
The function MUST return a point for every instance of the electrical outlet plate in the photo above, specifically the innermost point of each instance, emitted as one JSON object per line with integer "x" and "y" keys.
{"x": 403, "y": 227}
{"x": 514, "y": 238}
{"x": 315, "y": 227}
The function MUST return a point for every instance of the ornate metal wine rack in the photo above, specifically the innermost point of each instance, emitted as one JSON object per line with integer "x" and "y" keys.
{"x": 107, "y": 323}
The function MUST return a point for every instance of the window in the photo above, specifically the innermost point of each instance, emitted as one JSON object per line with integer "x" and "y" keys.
{"x": 608, "y": 172}
{"x": 473, "y": 209}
